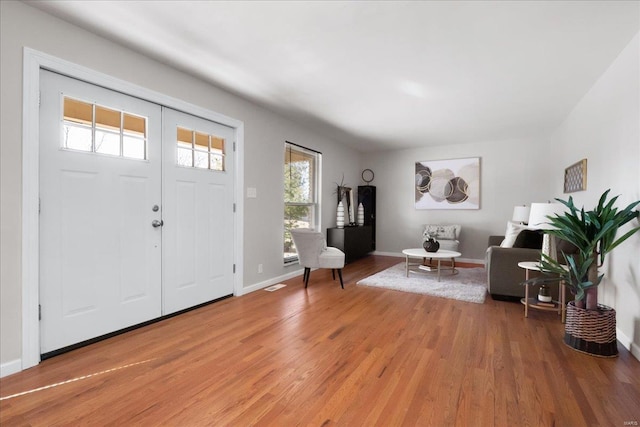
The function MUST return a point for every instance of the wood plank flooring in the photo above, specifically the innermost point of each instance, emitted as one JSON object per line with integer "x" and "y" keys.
{"x": 326, "y": 356}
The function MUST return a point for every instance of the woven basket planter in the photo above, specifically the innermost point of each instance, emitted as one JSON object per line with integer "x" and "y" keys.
{"x": 591, "y": 331}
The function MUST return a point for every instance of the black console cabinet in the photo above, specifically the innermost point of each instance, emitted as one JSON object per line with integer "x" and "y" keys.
{"x": 355, "y": 242}
{"x": 367, "y": 196}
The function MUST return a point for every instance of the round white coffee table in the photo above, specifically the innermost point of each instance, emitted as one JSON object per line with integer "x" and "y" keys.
{"x": 439, "y": 256}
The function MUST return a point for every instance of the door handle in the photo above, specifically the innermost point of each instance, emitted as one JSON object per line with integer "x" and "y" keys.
{"x": 157, "y": 223}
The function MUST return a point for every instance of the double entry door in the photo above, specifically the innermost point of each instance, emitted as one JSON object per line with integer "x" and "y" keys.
{"x": 136, "y": 211}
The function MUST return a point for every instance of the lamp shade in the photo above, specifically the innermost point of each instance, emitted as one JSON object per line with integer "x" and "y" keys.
{"x": 540, "y": 211}
{"x": 520, "y": 214}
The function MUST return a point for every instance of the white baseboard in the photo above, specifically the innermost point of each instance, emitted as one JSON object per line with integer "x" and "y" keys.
{"x": 275, "y": 280}
{"x": 11, "y": 367}
{"x": 401, "y": 255}
{"x": 628, "y": 343}
{"x": 635, "y": 350}
{"x": 269, "y": 282}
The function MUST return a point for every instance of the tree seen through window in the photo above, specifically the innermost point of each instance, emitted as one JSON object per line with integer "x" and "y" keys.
{"x": 300, "y": 169}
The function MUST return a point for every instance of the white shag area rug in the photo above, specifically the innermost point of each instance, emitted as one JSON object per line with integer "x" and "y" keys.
{"x": 470, "y": 284}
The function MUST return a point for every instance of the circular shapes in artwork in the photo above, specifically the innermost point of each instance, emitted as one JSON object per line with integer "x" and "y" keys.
{"x": 440, "y": 189}
{"x": 471, "y": 173}
{"x": 440, "y": 186}
{"x": 423, "y": 178}
{"x": 459, "y": 191}
{"x": 473, "y": 190}
{"x": 448, "y": 182}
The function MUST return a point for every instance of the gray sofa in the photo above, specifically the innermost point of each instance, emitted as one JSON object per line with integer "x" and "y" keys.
{"x": 504, "y": 277}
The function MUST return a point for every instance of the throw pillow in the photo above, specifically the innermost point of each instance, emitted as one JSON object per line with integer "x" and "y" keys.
{"x": 568, "y": 248}
{"x": 531, "y": 239}
{"x": 511, "y": 234}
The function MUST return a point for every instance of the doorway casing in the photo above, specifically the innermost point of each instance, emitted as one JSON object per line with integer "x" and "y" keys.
{"x": 33, "y": 61}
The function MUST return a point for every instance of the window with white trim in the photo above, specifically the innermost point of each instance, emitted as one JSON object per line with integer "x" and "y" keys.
{"x": 301, "y": 193}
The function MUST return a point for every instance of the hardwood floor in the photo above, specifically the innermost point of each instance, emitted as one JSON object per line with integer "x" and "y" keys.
{"x": 326, "y": 356}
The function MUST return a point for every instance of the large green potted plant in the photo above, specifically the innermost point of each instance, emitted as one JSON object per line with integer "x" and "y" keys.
{"x": 590, "y": 326}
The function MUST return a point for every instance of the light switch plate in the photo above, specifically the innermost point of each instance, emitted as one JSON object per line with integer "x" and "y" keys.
{"x": 252, "y": 193}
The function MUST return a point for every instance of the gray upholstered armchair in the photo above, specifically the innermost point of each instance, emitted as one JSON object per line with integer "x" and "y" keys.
{"x": 313, "y": 253}
{"x": 447, "y": 235}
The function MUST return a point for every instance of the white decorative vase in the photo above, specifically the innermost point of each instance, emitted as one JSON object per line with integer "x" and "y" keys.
{"x": 340, "y": 216}
{"x": 360, "y": 215}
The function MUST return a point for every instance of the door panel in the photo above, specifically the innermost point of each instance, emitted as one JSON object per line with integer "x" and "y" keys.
{"x": 100, "y": 258}
{"x": 133, "y": 250}
{"x": 216, "y": 216}
{"x": 103, "y": 266}
{"x": 198, "y": 212}
{"x": 185, "y": 230}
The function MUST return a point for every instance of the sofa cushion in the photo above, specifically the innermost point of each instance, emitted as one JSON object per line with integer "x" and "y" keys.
{"x": 531, "y": 239}
{"x": 449, "y": 245}
{"x": 565, "y": 247}
{"x": 511, "y": 234}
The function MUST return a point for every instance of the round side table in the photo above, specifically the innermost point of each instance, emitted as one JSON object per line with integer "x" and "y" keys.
{"x": 559, "y": 306}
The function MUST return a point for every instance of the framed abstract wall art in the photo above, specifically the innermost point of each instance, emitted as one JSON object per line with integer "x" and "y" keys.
{"x": 448, "y": 184}
{"x": 575, "y": 177}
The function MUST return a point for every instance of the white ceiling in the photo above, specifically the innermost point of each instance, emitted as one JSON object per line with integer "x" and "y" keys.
{"x": 382, "y": 75}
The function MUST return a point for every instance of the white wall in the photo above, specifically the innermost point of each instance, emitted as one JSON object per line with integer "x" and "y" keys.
{"x": 604, "y": 128}
{"x": 265, "y": 134}
{"x": 511, "y": 173}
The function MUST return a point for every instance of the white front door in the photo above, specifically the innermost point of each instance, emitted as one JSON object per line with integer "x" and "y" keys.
{"x": 100, "y": 191}
{"x": 198, "y": 210}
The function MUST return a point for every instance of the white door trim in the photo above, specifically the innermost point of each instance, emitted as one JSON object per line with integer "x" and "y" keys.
{"x": 33, "y": 61}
